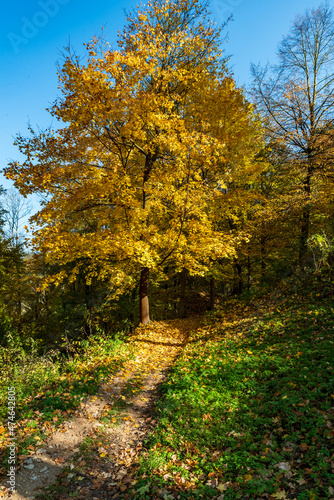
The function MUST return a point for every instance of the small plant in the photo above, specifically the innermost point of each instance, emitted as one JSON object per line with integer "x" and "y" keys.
{"x": 322, "y": 247}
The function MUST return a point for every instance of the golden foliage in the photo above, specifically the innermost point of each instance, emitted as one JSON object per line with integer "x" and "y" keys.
{"x": 152, "y": 133}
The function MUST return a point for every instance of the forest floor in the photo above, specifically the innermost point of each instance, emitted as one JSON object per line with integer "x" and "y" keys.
{"x": 238, "y": 404}
{"x": 92, "y": 454}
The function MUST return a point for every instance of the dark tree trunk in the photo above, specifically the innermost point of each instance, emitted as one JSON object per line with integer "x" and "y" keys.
{"x": 263, "y": 258}
{"x": 88, "y": 304}
{"x": 222, "y": 288}
{"x": 212, "y": 294}
{"x": 183, "y": 276}
{"x": 88, "y": 297}
{"x": 144, "y": 310}
{"x": 238, "y": 285}
{"x": 305, "y": 219}
{"x": 249, "y": 270}
{"x": 304, "y": 233}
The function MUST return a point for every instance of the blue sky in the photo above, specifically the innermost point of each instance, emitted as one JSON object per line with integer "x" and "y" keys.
{"x": 33, "y": 32}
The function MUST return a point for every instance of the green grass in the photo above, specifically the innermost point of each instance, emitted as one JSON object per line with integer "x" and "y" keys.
{"x": 250, "y": 405}
{"x": 247, "y": 410}
{"x": 49, "y": 390}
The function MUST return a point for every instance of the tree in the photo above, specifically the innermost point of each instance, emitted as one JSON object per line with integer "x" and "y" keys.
{"x": 296, "y": 100}
{"x": 16, "y": 208}
{"x": 132, "y": 175}
{"x": 11, "y": 277}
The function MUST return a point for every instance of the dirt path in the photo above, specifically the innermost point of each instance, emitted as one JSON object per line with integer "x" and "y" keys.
{"x": 93, "y": 454}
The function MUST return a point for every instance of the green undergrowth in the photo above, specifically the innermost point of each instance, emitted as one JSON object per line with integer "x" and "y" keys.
{"x": 248, "y": 409}
{"x": 49, "y": 389}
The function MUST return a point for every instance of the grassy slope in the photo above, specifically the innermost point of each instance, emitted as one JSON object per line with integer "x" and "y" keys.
{"x": 249, "y": 407}
{"x": 247, "y": 410}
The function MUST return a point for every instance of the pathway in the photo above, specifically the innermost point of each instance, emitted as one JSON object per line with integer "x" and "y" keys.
{"x": 94, "y": 454}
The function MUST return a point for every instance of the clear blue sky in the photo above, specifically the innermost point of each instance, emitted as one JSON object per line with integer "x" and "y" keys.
{"x": 34, "y": 31}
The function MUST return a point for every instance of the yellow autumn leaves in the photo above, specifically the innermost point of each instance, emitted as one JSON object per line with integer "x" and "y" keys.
{"x": 153, "y": 132}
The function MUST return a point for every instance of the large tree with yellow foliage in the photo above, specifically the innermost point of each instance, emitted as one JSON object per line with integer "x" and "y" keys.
{"x": 152, "y": 133}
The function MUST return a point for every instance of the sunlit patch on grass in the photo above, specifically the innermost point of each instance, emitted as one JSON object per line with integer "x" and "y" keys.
{"x": 250, "y": 404}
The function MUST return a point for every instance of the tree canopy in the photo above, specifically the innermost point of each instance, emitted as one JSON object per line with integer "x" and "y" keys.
{"x": 153, "y": 133}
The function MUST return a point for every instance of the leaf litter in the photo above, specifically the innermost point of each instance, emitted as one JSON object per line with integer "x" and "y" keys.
{"x": 93, "y": 454}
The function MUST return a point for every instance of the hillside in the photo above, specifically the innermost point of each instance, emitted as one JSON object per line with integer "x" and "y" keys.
{"x": 236, "y": 404}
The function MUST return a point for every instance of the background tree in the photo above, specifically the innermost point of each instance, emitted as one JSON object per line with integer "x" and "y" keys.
{"x": 16, "y": 209}
{"x": 11, "y": 278}
{"x": 296, "y": 101}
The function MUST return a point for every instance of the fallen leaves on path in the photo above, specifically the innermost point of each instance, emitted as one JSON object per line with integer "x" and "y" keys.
{"x": 94, "y": 453}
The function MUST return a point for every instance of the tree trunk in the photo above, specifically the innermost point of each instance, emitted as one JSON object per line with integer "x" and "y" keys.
{"x": 238, "y": 285}
{"x": 88, "y": 304}
{"x": 263, "y": 258}
{"x": 144, "y": 310}
{"x": 223, "y": 288}
{"x": 249, "y": 271}
{"x": 304, "y": 233}
{"x": 305, "y": 219}
{"x": 212, "y": 294}
{"x": 182, "y": 312}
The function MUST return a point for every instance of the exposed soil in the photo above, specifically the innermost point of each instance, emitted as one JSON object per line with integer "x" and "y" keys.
{"x": 106, "y": 471}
